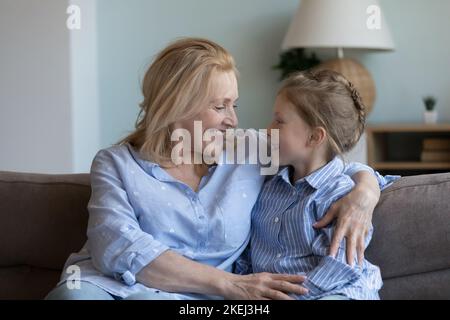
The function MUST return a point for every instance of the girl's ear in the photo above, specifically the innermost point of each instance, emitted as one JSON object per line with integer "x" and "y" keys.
{"x": 317, "y": 136}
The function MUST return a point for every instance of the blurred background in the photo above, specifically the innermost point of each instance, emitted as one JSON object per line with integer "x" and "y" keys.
{"x": 66, "y": 93}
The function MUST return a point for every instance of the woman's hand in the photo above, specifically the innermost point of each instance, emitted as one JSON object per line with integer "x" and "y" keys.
{"x": 174, "y": 273}
{"x": 354, "y": 217}
{"x": 263, "y": 286}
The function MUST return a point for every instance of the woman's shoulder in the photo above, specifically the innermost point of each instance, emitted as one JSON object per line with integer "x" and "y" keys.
{"x": 114, "y": 155}
{"x": 116, "y": 149}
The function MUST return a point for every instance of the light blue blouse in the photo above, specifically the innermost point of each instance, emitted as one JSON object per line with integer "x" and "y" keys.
{"x": 137, "y": 211}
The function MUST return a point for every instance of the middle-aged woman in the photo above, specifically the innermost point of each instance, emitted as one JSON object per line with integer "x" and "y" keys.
{"x": 163, "y": 231}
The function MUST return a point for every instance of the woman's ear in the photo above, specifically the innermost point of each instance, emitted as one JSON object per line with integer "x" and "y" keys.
{"x": 317, "y": 136}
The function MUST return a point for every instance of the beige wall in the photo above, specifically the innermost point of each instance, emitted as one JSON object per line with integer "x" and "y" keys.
{"x": 35, "y": 121}
{"x": 48, "y": 87}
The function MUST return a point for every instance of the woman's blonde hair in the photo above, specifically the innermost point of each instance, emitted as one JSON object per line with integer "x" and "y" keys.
{"x": 327, "y": 99}
{"x": 175, "y": 88}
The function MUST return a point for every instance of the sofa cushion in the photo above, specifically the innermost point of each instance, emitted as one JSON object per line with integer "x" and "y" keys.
{"x": 422, "y": 286}
{"x": 26, "y": 282}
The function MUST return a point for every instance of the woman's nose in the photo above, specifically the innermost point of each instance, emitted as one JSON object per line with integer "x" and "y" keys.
{"x": 231, "y": 119}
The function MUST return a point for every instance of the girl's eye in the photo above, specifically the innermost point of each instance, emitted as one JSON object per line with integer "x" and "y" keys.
{"x": 235, "y": 106}
{"x": 278, "y": 121}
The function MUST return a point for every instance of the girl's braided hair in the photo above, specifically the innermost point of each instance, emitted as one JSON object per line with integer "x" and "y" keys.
{"x": 327, "y": 99}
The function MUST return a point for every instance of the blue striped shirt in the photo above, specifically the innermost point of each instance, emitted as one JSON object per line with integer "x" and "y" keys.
{"x": 284, "y": 241}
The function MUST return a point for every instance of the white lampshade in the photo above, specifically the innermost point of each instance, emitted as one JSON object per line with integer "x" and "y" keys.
{"x": 336, "y": 24}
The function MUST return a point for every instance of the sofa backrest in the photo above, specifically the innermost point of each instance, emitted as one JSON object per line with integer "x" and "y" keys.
{"x": 411, "y": 242}
{"x": 44, "y": 218}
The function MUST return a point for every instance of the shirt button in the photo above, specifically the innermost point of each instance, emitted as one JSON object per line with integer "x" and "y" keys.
{"x": 277, "y": 220}
{"x": 201, "y": 217}
{"x": 279, "y": 255}
{"x": 128, "y": 278}
{"x": 124, "y": 228}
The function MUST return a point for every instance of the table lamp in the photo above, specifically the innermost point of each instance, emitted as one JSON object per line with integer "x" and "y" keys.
{"x": 342, "y": 24}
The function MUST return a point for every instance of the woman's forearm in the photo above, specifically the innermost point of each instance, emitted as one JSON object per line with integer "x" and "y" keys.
{"x": 172, "y": 272}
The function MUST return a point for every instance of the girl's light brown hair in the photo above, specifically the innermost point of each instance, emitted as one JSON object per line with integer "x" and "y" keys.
{"x": 327, "y": 99}
{"x": 175, "y": 88}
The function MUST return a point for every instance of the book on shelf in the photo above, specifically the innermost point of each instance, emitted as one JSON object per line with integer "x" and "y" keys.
{"x": 436, "y": 144}
{"x": 435, "y": 156}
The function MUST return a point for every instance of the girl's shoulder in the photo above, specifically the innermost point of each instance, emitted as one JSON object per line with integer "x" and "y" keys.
{"x": 331, "y": 192}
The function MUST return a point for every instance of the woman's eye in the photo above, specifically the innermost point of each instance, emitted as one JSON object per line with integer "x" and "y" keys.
{"x": 222, "y": 107}
{"x": 235, "y": 106}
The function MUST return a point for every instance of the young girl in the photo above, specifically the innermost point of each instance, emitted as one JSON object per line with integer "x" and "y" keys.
{"x": 319, "y": 116}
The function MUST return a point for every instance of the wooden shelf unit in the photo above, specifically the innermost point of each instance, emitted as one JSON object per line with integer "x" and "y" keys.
{"x": 397, "y": 147}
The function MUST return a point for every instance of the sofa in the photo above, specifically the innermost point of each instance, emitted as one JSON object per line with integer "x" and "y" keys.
{"x": 43, "y": 219}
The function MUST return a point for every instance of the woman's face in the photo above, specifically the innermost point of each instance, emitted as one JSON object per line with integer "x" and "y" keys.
{"x": 294, "y": 132}
{"x": 219, "y": 113}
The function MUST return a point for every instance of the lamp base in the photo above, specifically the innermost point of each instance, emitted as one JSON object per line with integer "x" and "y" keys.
{"x": 358, "y": 75}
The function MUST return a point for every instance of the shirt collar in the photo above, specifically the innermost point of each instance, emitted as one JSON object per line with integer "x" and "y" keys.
{"x": 319, "y": 177}
{"x": 328, "y": 172}
{"x": 285, "y": 173}
{"x": 153, "y": 168}
{"x": 148, "y": 166}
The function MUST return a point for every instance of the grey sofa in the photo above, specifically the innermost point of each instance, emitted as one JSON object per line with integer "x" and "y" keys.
{"x": 44, "y": 217}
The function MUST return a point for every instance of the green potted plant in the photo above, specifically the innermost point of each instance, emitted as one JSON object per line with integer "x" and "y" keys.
{"x": 430, "y": 115}
{"x": 296, "y": 60}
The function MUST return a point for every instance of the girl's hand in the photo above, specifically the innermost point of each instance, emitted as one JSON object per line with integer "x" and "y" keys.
{"x": 354, "y": 219}
{"x": 263, "y": 286}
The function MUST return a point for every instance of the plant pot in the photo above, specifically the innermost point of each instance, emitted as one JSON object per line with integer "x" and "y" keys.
{"x": 430, "y": 117}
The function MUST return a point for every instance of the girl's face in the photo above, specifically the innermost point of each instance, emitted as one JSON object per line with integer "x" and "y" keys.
{"x": 294, "y": 132}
